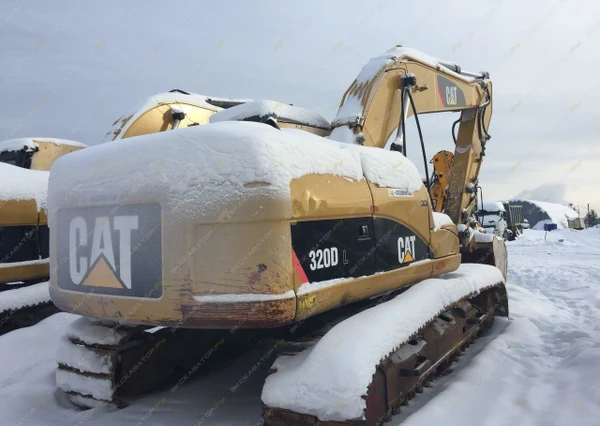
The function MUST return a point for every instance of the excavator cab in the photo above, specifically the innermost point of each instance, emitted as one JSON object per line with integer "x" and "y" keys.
{"x": 20, "y": 158}
{"x": 276, "y": 114}
{"x": 175, "y": 109}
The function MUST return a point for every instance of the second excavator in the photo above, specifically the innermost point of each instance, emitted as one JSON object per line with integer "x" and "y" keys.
{"x": 24, "y": 235}
{"x": 270, "y": 222}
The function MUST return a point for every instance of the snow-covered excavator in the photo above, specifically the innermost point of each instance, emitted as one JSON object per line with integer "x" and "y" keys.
{"x": 24, "y": 236}
{"x": 172, "y": 110}
{"x": 180, "y": 248}
{"x": 24, "y": 171}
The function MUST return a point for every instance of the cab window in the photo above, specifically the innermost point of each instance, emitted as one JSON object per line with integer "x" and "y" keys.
{"x": 19, "y": 158}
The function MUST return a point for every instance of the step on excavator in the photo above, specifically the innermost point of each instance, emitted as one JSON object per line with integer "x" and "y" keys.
{"x": 183, "y": 248}
{"x": 24, "y": 235}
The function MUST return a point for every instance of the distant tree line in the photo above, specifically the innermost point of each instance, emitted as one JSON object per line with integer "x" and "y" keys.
{"x": 591, "y": 219}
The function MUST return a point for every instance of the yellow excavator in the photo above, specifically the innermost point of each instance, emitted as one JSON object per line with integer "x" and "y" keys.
{"x": 271, "y": 222}
{"x": 25, "y": 165}
{"x": 24, "y": 236}
{"x": 171, "y": 110}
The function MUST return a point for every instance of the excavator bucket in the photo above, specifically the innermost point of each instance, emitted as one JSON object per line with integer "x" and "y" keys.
{"x": 488, "y": 250}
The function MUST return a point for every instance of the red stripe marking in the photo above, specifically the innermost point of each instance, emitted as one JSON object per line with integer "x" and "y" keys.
{"x": 299, "y": 269}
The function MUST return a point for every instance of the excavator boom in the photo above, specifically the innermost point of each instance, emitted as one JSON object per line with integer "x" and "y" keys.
{"x": 410, "y": 81}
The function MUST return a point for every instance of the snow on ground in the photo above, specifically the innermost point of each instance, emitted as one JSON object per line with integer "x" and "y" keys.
{"x": 24, "y": 296}
{"x": 540, "y": 367}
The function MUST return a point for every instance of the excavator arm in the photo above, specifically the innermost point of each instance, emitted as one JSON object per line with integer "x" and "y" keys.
{"x": 403, "y": 83}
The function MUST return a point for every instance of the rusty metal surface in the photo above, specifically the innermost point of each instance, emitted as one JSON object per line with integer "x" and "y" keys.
{"x": 25, "y": 317}
{"x": 145, "y": 361}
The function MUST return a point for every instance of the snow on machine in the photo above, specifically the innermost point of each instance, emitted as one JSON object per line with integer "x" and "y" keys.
{"x": 24, "y": 169}
{"x": 24, "y": 236}
{"x": 171, "y": 110}
{"x": 181, "y": 248}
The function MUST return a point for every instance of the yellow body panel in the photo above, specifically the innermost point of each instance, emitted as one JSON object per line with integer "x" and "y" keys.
{"x": 18, "y": 213}
{"x": 444, "y": 242}
{"x": 324, "y": 299}
{"x": 24, "y": 271}
{"x": 413, "y": 211}
{"x": 48, "y": 153}
{"x": 159, "y": 119}
{"x": 329, "y": 197}
{"x": 248, "y": 252}
{"x": 26, "y": 212}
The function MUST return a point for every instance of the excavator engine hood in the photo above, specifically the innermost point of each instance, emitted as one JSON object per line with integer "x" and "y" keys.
{"x": 194, "y": 227}
{"x": 190, "y": 227}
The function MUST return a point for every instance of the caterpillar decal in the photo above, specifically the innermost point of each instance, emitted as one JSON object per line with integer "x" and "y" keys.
{"x": 111, "y": 249}
{"x": 351, "y": 248}
{"x": 450, "y": 93}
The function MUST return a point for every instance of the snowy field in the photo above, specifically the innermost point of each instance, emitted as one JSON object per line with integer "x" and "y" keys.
{"x": 540, "y": 367}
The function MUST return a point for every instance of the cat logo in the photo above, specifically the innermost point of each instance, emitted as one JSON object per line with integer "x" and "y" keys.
{"x": 99, "y": 269}
{"x": 406, "y": 249}
{"x": 113, "y": 250}
{"x": 451, "y": 95}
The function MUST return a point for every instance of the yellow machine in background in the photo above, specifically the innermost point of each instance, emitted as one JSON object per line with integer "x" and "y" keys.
{"x": 267, "y": 217}
{"x": 167, "y": 111}
{"x": 24, "y": 236}
{"x": 442, "y": 165}
{"x": 23, "y": 220}
{"x": 23, "y": 223}
{"x": 25, "y": 162}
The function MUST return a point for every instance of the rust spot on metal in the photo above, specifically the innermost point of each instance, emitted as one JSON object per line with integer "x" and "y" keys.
{"x": 255, "y": 276}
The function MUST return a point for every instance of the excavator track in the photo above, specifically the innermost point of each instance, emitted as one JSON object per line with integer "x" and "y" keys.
{"x": 23, "y": 305}
{"x": 106, "y": 363}
{"x": 403, "y": 373}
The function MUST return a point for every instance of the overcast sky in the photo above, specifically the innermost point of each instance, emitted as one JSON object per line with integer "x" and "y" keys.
{"x": 68, "y": 69}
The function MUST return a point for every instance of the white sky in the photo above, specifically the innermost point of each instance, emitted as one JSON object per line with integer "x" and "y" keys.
{"x": 68, "y": 69}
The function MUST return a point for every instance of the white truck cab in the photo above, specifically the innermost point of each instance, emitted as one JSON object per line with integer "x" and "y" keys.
{"x": 492, "y": 217}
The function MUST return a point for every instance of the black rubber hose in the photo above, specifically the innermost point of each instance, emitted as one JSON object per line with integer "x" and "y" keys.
{"x": 453, "y": 132}
{"x": 412, "y": 104}
{"x": 403, "y": 123}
